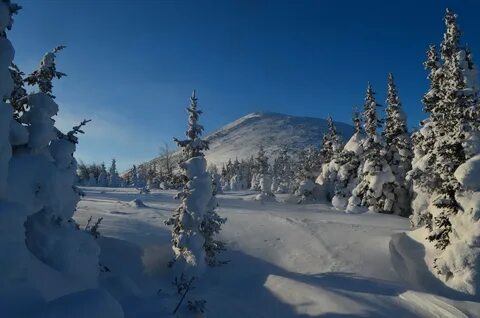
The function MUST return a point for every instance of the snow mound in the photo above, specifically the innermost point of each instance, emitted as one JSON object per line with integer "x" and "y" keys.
{"x": 137, "y": 203}
{"x": 468, "y": 174}
{"x": 265, "y": 197}
{"x": 92, "y": 303}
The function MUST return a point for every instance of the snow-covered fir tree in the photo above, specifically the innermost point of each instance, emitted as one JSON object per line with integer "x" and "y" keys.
{"x": 375, "y": 190}
{"x": 132, "y": 176}
{"x": 445, "y": 168}
{"x": 283, "y": 172}
{"x": 103, "y": 176}
{"x": 18, "y": 98}
{"x": 306, "y": 171}
{"x": 37, "y": 163}
{"x": 237, "y": 180}
{"x": 346, "y": 164}
{"x": 47, "y": 71}
{"x": 422, "y": 174}
{"x": 331, "y": 143}
{"x": 114, "y": 178}
{"x": 12, "y": 216}
{"x": 331, "y": 147}
{"x": 263, "y": 176}
{"x": 398, "y": 148}
{"x": 195, "y": 222}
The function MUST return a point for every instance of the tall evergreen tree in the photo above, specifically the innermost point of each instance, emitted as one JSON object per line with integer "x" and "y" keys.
{"x": 398, "y": 148}
{"x": 195, "y": 222}
{"x": 331, "y": 142}
{"x": 424, "y": 179}
{"x": 443, "y": 162}
{"x": 375, "y": 190}
{"x": 346, "y": 164}
{"x": 114, "y": 178}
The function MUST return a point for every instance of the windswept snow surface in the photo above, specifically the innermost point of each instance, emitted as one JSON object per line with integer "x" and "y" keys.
{"x": 286, "y": 260}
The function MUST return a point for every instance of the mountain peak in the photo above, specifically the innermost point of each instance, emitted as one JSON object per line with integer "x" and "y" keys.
{"x": 242, "y": 137}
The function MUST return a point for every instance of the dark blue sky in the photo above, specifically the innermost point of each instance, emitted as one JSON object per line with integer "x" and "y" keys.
{"x": 131, "y": 65}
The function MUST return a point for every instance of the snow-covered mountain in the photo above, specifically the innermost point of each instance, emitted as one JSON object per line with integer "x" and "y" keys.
{"x": 242, "y": 138}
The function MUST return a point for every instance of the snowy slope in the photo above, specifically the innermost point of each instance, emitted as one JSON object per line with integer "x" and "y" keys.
{"x": 273, "y": 131}
{"x": 287, "y": 260}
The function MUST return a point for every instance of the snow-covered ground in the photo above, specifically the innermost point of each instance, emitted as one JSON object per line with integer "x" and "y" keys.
{"x": 286, "y": 260}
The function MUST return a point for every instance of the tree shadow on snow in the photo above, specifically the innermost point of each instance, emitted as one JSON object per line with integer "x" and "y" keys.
{"x": 251, "y": 287}
{"x": 408, "y": 261}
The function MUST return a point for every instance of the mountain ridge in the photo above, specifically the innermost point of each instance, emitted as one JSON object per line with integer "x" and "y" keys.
{"x": 242, "y": 137}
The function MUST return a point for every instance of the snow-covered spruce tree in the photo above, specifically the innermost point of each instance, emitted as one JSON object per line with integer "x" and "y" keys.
{"x": 331, "y": 142}
{"x": 18, "y": 98}
{"x": 195, "y": 222}
{"x": 375, "y": 190}
{"x": 51, "y": 234}
{"x": 398, "y": 148}
{"x": 263, "y": 176}
{"x": 331, "y": 147}
{"x": 103, "y": 176}
{"x": 132, "y": 176}
{"x": 237, "y": 181}
{"x": 284, "y": 172}
{"x": 422, "y": 176}
{"x": 114, "y": 178}
{"x": 346, "y": 163}
{"x": 36, "y": 226}
{"x": 15, "y": 261}
{"x": 454, "y": 197}
{"x": 306, "y": 170}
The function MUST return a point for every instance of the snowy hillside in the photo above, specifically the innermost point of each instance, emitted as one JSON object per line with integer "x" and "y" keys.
{"x": 286, "y": 260}
{"x": 273, "y": 131}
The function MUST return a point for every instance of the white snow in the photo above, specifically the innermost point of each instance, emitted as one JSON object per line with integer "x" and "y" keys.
{"x": 468, "y": 174}
{"x": 286, "y": 260}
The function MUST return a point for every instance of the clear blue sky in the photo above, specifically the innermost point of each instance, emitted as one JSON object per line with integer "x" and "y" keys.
{"x": 131, "y": 65}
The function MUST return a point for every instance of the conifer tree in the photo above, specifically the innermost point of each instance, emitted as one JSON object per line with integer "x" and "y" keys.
{"x": 331, "y": 142}
{"x": 346, "y": 164}
{"x": 114, "y": 178}
{"x": 18, "y": 98}
{"x": 195, "y": 222}
{"x": 263, "y": 175}
{"x": 422, "y": 176}
{"x": 375, "y": 190}
{"x": 282, "y": 172}
{"x": 331, "y": 147}
{"x": 446, "y": 150}
{"x": 47, "y": 71}
{"x": 398, "y": 148}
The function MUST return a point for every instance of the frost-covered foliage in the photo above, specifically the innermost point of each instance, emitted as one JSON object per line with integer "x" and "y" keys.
{"x": 113, "y": 177}
{"x": 238, "y": 175}
{"x": 40, "y": 240}
{"x": 262, "y": 179}
{"x": 46, "y": 72}
{"x": 422, "y": 176}
{"x": 375, "y": 190}
{"x": 445, "y": 159}
{"x": 195, "y": 222}
{"x": 194, "y": 145}
{"x": 398, "y": 148}
{"x": 282, "y": 173}
{"x": 18, "y": 98}
{"x": 307, "y": 169}
{"x": 332, "y": 142}
{"x": 331, "y": 147}
{"x": 344, "y": 167}
{"x": 103, "y": 176}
